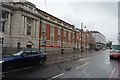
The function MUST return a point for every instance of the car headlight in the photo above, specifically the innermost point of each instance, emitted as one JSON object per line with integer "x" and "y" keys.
{"x": 1, "y": 61}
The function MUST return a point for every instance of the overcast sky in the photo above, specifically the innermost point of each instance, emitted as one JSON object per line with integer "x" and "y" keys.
{"x": 100, "y": 16}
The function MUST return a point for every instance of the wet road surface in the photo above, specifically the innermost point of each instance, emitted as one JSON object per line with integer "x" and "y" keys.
{"x": 97, "y": 65}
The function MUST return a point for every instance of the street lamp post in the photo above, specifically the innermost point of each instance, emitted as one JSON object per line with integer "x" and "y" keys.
{"x": 81, "y": 37}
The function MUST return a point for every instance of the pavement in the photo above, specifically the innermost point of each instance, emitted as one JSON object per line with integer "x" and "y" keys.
{"x": 58, "y": 57}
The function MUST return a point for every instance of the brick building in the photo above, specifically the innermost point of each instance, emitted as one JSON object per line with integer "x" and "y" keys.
{"x": 24, "y": 25}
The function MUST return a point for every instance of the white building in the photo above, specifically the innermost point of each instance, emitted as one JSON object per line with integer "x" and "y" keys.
{"x": 19, "y": 25}
{"x": 99, "y": 38}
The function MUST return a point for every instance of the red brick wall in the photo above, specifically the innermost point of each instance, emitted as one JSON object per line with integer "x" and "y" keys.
{"x": 47, "y": 31}
{"x": 62, "y": 34}
{"x": 71, "y": 37}
{"x": 55, "y": 33}
{"x": 66, "y": 36}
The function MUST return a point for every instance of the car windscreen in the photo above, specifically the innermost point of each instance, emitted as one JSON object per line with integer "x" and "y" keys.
{"x": 116, "y": 51}
{"x": 18, "y": 53}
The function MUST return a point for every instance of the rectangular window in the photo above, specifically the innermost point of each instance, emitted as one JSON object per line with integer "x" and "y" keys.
{"x": 58, "y": 31}
{"x": 3, "y": 20}
{"x": 52, "y": 35}
{"x": 30, "y": 9}
{"x": 64, "y": 33}
{"x": 69, "y": 36}
{"x": 43, "y": 27}
{"x": 29, "y": 30}
{"x": 52, "y": 30}
{"x": 2, "y": 26}
{"x": 73, "y": 37}
{"x": 4, "y": 15}
{"x": 1, "y": 41}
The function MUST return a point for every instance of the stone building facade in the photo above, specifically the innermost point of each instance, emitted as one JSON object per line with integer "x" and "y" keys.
{"x": 99, "y": 38}
{"x": 23, "y": 25}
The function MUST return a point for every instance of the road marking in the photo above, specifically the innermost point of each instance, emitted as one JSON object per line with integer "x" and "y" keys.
{"x": 82, "y": 65}
{"x": 82, "y": 59}
{"x": 116, "y": 74}
{"x": 107, "y": 61}
{"x": 16, "y": 70}
{"x": 56, "y": 76}
{"x": 113, "y": 72}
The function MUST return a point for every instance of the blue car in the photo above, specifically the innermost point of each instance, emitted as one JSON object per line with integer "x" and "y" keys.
{"x": 23, "y": 58}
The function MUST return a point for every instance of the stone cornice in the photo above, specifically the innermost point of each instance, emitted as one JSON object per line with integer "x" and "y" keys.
{"x": 34, "y": 14}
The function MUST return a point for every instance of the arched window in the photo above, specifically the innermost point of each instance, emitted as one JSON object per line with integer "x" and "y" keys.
{"x": 52, "y": 40}
{"x": 29, "y": 25}
{"x": 29, "y": 44}
{"x": 59, "y": 41}
{"x": 59, "y": 38}
{"x": 52, "y": 36}
{"x": 43, "y": 39}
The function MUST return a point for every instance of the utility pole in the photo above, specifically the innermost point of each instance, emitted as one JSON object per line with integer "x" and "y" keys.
{"x": 81, "y": 37}
{"x": 40, "y": 33}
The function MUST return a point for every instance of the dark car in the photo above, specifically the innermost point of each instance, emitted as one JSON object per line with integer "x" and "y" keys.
{"x": 23, "y": 58}
{"x": 114, "y": 54}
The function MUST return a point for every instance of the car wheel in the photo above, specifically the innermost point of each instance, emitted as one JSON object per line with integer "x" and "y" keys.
{"x": 42, "y": 61}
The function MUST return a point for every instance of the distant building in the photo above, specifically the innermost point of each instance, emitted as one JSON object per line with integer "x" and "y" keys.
{"x": 100, "y": 40}
{"x": 84, "y": 40}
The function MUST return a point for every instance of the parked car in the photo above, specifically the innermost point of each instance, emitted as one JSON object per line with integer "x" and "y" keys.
{"x": 23, "y": 58}
{"x": 114, "y": 54}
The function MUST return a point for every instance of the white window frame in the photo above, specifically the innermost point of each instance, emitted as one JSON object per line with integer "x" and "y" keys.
{"x": 64, "y": 33}
{"x": 52, "y": 39}
{"x": 58, "y": 31}
{"x": 43, "y": 40}
{"x": 52, "y": 30}
{"x": 43, "y": 27}
{"x": 59, "y": 40}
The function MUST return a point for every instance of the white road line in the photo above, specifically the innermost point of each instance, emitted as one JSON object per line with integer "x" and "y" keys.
{"x": 82, "y": 59}
{"x": 116, "y": 74}
{"x": 107, "y": 61}
{"x": 15, "y": 70}
{"x": 82, "y": 65}
{"x": 56, "y": 76}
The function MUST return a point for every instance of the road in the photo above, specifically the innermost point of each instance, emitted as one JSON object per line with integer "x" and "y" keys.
{"x": 97, "y": 65}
